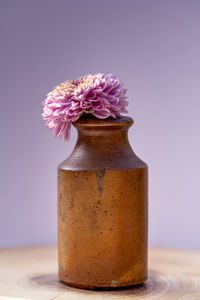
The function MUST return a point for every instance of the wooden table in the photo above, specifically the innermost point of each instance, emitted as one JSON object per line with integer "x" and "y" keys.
{"x": 31, "y": 273}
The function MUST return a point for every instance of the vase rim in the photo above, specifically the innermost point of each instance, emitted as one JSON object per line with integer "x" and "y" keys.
{"x": 94, "y": 122}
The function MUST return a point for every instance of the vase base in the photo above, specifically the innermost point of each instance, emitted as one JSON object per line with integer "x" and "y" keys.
{"x": 104, "y": 286}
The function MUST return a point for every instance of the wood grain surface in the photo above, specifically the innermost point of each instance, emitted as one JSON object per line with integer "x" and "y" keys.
{"x": 31, "y": 273}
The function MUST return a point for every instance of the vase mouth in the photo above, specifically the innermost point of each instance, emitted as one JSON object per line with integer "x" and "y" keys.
{"x": 108, "y": 122}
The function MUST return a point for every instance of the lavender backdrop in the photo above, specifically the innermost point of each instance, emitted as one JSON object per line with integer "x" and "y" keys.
{"x": 154, "y": 46}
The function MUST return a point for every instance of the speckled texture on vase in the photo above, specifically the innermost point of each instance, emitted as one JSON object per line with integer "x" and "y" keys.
{"x": 102, "y": 208}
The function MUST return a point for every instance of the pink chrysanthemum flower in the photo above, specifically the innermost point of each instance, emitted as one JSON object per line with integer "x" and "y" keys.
{"x": 101, "y": 95}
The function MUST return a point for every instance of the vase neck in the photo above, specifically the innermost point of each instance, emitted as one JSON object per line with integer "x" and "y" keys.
{"x": 104, "y": 137}
{"x": 102, "y": 144}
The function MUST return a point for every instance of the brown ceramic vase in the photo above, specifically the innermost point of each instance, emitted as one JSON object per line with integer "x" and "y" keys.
{"x": 102, "y": 208}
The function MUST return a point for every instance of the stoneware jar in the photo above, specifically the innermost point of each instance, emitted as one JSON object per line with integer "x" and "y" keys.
{"x": 102, "y": 208}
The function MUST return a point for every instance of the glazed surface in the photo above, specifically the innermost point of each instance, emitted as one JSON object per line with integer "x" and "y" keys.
{"x": 102, "y": 208}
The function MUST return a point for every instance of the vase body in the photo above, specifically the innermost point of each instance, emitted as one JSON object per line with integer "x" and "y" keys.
{"x": 102, "y": 208}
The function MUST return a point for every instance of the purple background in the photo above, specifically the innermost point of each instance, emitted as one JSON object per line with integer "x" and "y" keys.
{"x": 154, "y": 47}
